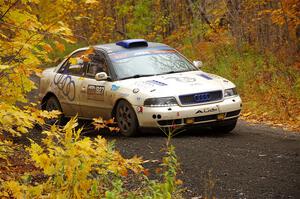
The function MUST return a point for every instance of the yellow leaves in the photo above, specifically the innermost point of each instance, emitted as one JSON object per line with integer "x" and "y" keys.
{"x": 16, "y": 120}
{"x": 49, "y": 114}
{"x": 91, "y": 1}
{"x": 113, "y": 129}
{"x": 71, "y": 124}
{"x": 69, "y": 130}
{"x": 22, "y": 129}
{"x": 110, "y": 121}
{"x": 89, "y": 51}
{"x": 79, "y": 163}
{"x": 59, "y": 46}
{"x": 48, "y": 48}
{"x": 15, "y": 188}
{"x": 247, "y": 114}
{"x": 3, "y": 67}
{"x": 81, "y": 167}
{"x": 178, "y": 182}
{"x": 85, "y": 58}
{"x": 99, "y": 123}
{"x": 73, "y": 61}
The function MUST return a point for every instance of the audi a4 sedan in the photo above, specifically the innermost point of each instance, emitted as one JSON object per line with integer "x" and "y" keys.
{"x": 140, "y": 84}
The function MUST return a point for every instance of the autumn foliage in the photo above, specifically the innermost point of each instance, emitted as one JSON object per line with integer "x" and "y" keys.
{"x": 63, "y": 164}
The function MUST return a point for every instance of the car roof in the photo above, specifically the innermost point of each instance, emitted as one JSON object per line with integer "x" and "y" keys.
{"x": 113, "y": 47}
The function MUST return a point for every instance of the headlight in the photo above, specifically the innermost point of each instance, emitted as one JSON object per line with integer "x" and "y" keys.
{"x": 230, "y": 92}
{"x": 160, "y": 102}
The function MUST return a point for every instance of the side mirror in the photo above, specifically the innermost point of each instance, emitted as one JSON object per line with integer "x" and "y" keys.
{"x": 101, "y": 76}
{"x": 198, "y": 64}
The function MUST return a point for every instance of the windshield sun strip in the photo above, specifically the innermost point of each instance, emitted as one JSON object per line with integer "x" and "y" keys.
{"x": 119, "y": 56}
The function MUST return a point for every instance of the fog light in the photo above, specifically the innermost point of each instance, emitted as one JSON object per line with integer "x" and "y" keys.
{"x": 221, "y": 116}
{"x": 189, "y": 120}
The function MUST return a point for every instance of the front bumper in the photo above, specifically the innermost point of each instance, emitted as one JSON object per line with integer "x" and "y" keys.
{"x": 227, "y": 109}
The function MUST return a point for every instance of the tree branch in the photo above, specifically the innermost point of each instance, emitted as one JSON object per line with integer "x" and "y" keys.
{"x": 10, "y": 7}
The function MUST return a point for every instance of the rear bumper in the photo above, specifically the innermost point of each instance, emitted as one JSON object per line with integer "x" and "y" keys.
{"x": 228, "y": 109}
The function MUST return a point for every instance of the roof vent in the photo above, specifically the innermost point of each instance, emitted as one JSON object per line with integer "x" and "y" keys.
{"x": 132, "y": 43}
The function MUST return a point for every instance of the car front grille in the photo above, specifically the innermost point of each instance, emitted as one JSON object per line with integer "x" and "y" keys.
{"x": 198, "y": 98}
{"x": 169, "y": 122}
{"x": 199, "y": 119}
{"x": 206, "y": 118}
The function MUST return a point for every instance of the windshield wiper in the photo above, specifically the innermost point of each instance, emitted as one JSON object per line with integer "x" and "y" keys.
{"x": 136, "y": 76}
{"x": 173, "y": 71}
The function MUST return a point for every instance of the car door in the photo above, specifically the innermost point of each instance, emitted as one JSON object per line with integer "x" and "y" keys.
{"x": 67, "y": 82}
{"x": 95, "y": 96}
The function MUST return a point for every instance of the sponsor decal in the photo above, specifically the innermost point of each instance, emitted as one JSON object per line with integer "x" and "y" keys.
{"x": 114, "y": 87}
{"x": 155, "y": 82}
{"x": 207, "y": 110}
{"x": 95, "y": 92}
{"x": 205, "y": 76}
{"x": 66, "y": 85}
{"x": 141, "y": 53}
{"x": 195, "y": 84}
{"x": 136, "y": 90}
{"x": 182, "y": 79}
{"x": 124, "y": 94}
{"x": 126, "y": 54}
{"x": 140, "y": 109}
{"x": 201, "y": 97}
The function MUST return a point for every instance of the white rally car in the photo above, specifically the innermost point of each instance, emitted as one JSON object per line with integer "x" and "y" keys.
{"x": 140, "y": 84}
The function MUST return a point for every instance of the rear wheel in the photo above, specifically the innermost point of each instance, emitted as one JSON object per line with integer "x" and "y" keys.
{"x": 225, "y": 128}
{"x": 53, "y": 104}
{"x": 126, "y": 119}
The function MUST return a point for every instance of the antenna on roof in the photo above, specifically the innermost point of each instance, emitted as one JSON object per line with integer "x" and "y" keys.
{"x": 123, "y": 34}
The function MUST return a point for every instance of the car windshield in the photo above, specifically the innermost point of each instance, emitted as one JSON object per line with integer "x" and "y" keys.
{"x": 141, "y": 63}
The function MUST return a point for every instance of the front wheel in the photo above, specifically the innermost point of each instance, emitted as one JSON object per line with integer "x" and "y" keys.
{"x": 126, "y": 119}
{"x": 53, "y": 104}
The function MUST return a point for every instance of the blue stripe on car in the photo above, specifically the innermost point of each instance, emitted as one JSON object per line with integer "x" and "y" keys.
{"x": 205, "y": 76}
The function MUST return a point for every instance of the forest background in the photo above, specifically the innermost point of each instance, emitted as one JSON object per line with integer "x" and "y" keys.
{"x": 253, "y": 43}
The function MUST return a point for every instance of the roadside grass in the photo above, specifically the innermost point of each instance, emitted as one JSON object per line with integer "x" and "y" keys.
{"x": 270, "y": 90}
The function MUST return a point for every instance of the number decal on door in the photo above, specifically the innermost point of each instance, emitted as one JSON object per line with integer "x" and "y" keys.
{"x": 95, "y": 92}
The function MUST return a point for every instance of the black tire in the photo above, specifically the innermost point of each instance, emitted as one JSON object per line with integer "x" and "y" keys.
{"x": 224, "y": 129}
{"x": 53, "y": 104}
{"x": 126, "y": 119}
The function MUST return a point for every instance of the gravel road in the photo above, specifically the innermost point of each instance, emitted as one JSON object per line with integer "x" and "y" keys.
{"x": 254, "y": 161}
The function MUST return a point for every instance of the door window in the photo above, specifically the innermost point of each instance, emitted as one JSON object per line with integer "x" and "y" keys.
{"x": 74, "y": 65}
{"x": 96, "y": 65}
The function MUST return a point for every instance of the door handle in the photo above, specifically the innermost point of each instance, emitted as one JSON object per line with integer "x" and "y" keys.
{"x": 83, "y": 89}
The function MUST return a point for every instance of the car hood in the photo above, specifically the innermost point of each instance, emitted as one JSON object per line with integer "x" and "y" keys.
{"x": 176, "y": 84}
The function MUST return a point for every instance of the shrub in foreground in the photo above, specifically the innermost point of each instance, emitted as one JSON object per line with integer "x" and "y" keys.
{"x": 79, "y": 167}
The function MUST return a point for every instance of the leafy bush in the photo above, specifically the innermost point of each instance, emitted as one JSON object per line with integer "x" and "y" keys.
{"x": 262, "y": 80}
{"x": 76, "y": 167}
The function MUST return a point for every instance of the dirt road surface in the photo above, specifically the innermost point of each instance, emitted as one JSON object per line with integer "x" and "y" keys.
{"x": 254, "y": 161}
